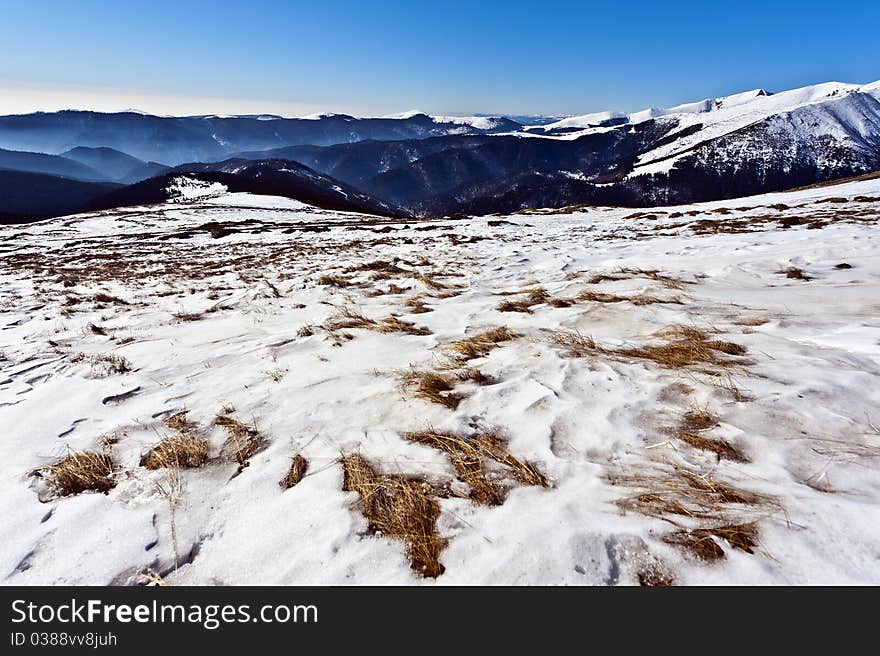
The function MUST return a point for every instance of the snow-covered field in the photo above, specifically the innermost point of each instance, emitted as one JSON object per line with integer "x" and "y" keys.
{"x": 698, "y": 387}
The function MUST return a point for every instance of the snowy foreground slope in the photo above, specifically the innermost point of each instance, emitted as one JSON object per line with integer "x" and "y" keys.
{"x": 689, "y": 395}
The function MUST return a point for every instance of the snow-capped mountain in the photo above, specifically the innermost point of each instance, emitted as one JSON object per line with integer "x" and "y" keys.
{"x": 747, "y": 143}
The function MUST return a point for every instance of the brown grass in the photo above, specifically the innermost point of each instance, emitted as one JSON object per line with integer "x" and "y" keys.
{"x": 298, "y": 467}
{"x": 698, "y": 419}
{"x": 467, "y": 455}
{"x": 181, "y": 451}
{"x": 514, "y": 306}
{"x": 417, "y": 305}
{"x": 796, "y": 273}
{"x": 721, "y": 448}
{"x": 432, "y": 386}
{"x": 242, "y": 443}
{"x": 479, "y": 345}
{"x": 79, "y": 472}
{"x": 474, "y": 375}
{"x": 626, "y": 273}
{"x": 534, "y": 296}
{"x": 466, "y": 458}
{"x": 334, "y": 281}
{"x": 179, "y": 422}
{"x": 684, "y": 352}
{"x": 398, "y": 507}
{"x": 379, "y": 266}
{"x": 107, "y": 298}
{"x": 575, "y": 344}
{"x": 430, "y": 282}
{"x": 395, "y": 325}
{"x": 347, "y": 319}
{"x": 681, "y": 331}
{"x": 677, "y": 490}
{"x": 638, "y": 299}
{"x": 701, "y": 542}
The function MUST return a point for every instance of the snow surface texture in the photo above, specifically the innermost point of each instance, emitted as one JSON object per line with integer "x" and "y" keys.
{"x": 226, "y": 307}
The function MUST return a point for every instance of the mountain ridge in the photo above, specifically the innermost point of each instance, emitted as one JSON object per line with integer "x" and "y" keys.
{"x": 716, "y": 148}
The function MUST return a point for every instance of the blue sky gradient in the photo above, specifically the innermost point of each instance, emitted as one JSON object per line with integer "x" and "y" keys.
{"x": 443, "y": 57}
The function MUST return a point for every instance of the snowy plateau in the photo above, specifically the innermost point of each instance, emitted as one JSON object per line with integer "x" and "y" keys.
{"x": 241, "y": 389}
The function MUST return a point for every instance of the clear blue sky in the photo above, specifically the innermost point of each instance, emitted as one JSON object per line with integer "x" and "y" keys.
{"x": 439, "y": 56}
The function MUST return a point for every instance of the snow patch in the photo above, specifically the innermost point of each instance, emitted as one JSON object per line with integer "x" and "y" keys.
{"x": 183, "y": 189}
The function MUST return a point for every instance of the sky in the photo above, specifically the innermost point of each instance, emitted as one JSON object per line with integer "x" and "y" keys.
{"x": 373, "y": 58}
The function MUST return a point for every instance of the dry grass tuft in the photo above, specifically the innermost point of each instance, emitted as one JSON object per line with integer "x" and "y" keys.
{"x": 639, "y": 299}
{"x": 684, "y": 352}
{"x": 417, "y": 305}
{"x": 796, "y": 273}
{"x": 182, "y": 451}
{"x": 677, "y": 490}
{"x": 727, "y": 383}
{"x": 179, "y": 422}
{"x": 534, "y": 296}
{"x": 432, "y": 386}
{"x": 398, "y": 507}
{"x": 347, "y": 319}
{"x": 188, "y": 316}
{"x": 697, "y": 419}
{"x": 334, "y": 281}
{"x": 101, "y": 297}
{"x": 431, "y": 283}
{"x": 79, "y": 472}
{"x": 467, "y": 455}
{"x": 680, "y": 331}
{"x": 701, "y": 542}
{"x": 298, "y": 468}
{"x": 395, "y": 325}
{"x": 242, "y": 443}
{"x": 479, "y": 345}
{"x": 513, "y": 306}
{"x": 626, "y": 273}
{"x": 104, "y": 364}
{"x": 378, "y": 266}
{"x": 474, "y": 375}
{"x": 728, "y": 348}
{"x": 275, "y": 375}
{"x": 721, "y": 448}
{"x": 466, "y": 458}
{"x": 575, "y": 344}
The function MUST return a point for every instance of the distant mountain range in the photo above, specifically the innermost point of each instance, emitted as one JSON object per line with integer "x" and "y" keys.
{"x": 415, "y": 164}
{"x": 178, "y": 140}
